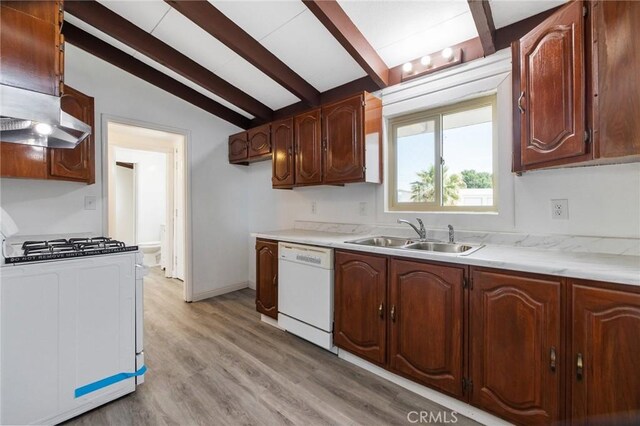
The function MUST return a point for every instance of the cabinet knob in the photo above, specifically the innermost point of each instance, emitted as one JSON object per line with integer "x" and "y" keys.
{"x": 552, "y": 358}
{"x": 381, "y": 310}
{"x": 393, "y": 313}
{"x": 520, "y": 107}
{"x": 579, "y": 367}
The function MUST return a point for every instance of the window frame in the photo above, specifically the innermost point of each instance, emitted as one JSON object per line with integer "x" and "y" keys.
{"x": 437, "y": 114}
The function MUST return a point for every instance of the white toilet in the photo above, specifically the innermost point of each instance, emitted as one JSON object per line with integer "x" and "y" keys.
{"x": 151, "y": 251}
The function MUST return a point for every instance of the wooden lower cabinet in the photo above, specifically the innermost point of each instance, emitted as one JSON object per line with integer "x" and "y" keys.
{"x": 516, "y": 345}
{"x": 361, "y": 305}
{"x": 267, "y": 277}
{"x": 604, "y": 379}
{"x": 426, "y": 324}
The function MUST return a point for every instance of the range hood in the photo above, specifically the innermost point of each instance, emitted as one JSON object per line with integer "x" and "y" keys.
{"x": 33, "y": 118}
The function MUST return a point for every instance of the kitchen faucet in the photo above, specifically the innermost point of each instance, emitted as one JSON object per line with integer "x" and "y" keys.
{"x": 421, "y": 232}
{"x": 451, "y": 234}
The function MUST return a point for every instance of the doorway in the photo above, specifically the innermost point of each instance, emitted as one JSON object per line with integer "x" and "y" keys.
{"x": 146, "y": 194}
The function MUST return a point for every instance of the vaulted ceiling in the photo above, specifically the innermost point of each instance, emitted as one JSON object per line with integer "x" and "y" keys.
{"x": 251, "y": 61}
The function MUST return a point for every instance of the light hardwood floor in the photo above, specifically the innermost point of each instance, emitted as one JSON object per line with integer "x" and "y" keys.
{"x": 215, "y": 363}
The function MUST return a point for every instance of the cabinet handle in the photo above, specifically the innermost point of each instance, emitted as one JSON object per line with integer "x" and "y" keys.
{"x": 290, "y": 151}
{"x": 381, "y": 310}
{"x": 275, "y": 280}
{"x": 552, "y": 356}
{"x": 393, "y": 313}
{"x": 579, "y": 367}
{"x": 520, "y": 103}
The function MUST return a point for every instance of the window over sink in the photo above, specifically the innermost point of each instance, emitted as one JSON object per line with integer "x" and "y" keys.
{"x": 444, "y": 159}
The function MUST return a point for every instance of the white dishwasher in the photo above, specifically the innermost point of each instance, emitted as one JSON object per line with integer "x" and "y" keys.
{"x": 305, "y": 292}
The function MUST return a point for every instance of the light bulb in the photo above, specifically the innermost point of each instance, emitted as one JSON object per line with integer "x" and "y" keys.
{"x": 426, "y": 60}
{"x": 43, "y": 129}
{"x": 447, "y": 53}
{"x": 407, "y": 67}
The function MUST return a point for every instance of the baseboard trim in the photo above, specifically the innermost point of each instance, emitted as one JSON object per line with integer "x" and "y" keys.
{"x": 428, "y": 393}
{"x": 220, "y": 291}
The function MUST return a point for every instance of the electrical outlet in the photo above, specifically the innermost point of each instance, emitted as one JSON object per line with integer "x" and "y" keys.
{"x": 314, "y": 207}
{"x": 363, "y": 208}
{"x": 90, "y": 202}
{"x": 560, "y": 209}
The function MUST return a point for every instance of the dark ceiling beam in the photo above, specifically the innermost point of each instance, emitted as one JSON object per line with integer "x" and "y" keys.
{"x": 128, "y": 63}
{"x": 481, "y": 13}
{"x": 210, "y": 19}
{"x": 102, "y": 18}
{"x": 334, "y": 18}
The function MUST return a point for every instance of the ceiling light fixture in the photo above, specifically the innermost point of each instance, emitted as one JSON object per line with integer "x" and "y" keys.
{"x": 43, "y": 129}
{"x": 407, "y": 67}
{"x": 426, "y": 60}
{"x": 447, "y": 53}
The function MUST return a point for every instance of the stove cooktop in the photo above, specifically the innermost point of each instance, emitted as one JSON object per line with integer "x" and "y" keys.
{"x": 58, "y": 249}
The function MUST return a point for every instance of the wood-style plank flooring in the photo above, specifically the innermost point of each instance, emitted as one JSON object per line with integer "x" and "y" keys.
{"x": 215, "y": 363}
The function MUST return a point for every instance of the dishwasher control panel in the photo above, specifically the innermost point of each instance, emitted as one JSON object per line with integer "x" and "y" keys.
{"x": 309, "y": 255}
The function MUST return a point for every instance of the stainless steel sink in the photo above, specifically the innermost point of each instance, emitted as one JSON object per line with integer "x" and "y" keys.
{"x": 439, "y": 247}
{"x": 383, "y": 241}
{"x": 422, "y": 245}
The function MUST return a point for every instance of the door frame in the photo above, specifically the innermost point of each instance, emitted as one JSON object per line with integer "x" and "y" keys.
{"x": 186, "y": 207}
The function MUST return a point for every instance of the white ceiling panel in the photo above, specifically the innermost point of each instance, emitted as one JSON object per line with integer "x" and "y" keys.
{"x": 186, "y": 37}
{"x": 506, "y": 12}
{"x": 251, "y": 80}
{"x": 306, "y": 46}
{"x": 384, "y": 23}
{"x": 259, "y": 18}
{"x": 99, "y": 34}
{"x": 189, "y": 83}
{"x": 430, "y": 40}
{"x": 145, "y": 14}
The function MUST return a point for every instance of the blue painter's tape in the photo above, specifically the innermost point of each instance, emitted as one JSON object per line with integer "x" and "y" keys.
{"x": 102, "y": 383}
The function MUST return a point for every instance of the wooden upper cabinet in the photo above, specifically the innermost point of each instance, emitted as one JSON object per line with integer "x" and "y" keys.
{"x": 342, "y": 133}
{"x": 549, "y": 92}
{"x": 515, "y": 346}
{"x": 426, "y": 317}
{"x": 79, "y": 163}
{"x": 283, "y": 173}
{"x": 267, "y": 278}
{"x": 259, "y": 139}
{"x": 361, "y": 305}
{"x": 308, "y": 148}
{"x": 616, "y": 48}
{"x": 23, "y": 161}
{"x": 239, "y": 148}
{"x": 31, "y": 45}
{"x": 605, "y": 372}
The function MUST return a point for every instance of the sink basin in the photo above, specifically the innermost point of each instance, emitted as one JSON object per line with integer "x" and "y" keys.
{"x": 383, "y": 241}
{"x": 440, "y": 247}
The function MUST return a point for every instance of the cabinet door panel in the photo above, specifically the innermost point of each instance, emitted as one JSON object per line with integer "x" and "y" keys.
{"x": 360, "y": 304}
{"x": 606, "y": 335}
{"x": 259, "y": 141}
{"x": 308, "y": 148}
{"x": 78, "y": 163}
{"x": 617, "y": 48}
{"x": 267, "y": 278}
{"x": 23, "y": 161}
{"x": 238, "y": 148}
{"x": 343, "y": 137}
{"x": 552, "y": 89}
{"x": 282, "y": 141}
{"x": 426, "y": 340}
{"x": 515, "y": 332}
{"x": 29, "y": 45}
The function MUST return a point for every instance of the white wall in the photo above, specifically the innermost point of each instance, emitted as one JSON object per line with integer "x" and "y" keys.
{"x": 151, "y": 191}
{"x": 219, "y": 196}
